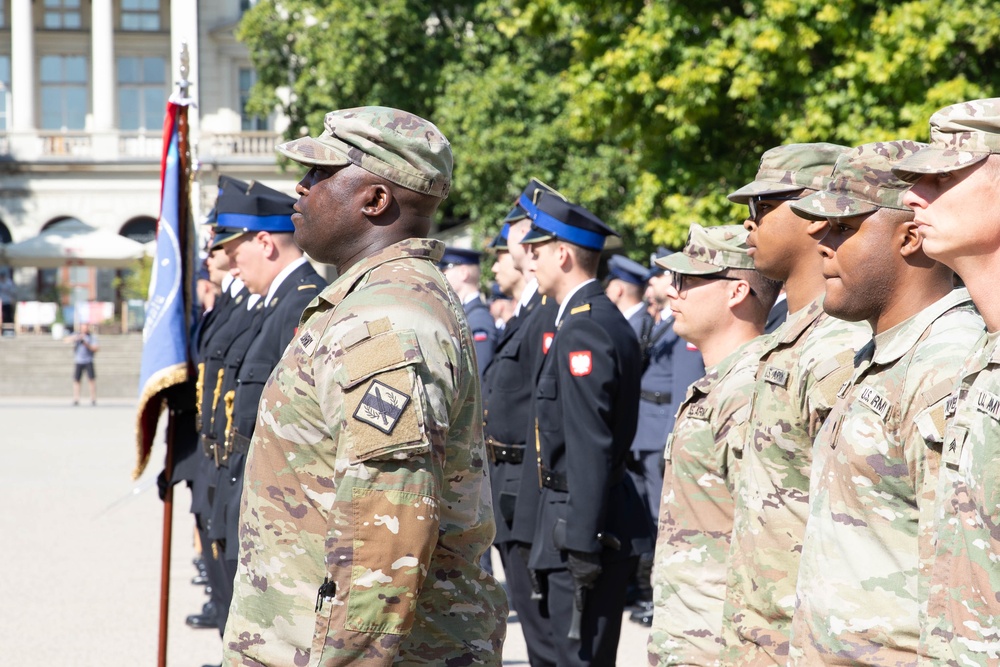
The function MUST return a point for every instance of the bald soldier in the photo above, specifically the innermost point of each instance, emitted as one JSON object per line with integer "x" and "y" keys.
{"x": 869, "y": 539}
{"x": 364, "y": 515}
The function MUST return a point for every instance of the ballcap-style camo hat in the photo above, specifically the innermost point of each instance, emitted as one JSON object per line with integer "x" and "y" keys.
{"x": 961, "y": 135}
{"x": 396, "y": 145}
{"x": 862, "y": 182}
{"x": 790, "y": 168}
{"x": 710, "y": 250}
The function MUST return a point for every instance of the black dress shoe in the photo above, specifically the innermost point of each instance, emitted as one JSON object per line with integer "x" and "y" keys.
{"x": 206, "y": 619}
{"x": 199, "y": 580}
{"x": 642, "y": 618}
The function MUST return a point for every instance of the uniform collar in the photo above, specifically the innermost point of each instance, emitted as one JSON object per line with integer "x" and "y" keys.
{"x": 892, "y": 344}
{"x": 715, "y": 374}
{"x": 797, "y": 323}
{"x": 529, "y": 291}
{"x": 634, "y": 309}
{"x": 569, "y": 297}
{"x": 416, "y": 248}
{"x": 280, "y": 278}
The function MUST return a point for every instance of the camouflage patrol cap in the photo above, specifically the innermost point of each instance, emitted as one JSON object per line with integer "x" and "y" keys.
{"x": 710, "y": 250}
{"x": 396, "y": 145}
{"x": 862, "y": 182}
{"x": 790, "y": 168}
{"x": 961, "y": 135}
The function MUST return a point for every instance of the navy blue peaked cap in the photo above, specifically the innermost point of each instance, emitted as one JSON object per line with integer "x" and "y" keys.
{"x": 256, "y": 208}
{"x": 526, "y": 202}
{"x": 499, "y": 241}
{"x": 556, "y": 218}
{"x": 458, "y": 256}
{"x": 623, "y": 268}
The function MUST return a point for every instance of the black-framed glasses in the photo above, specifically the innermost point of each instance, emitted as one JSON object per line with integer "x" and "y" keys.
{"x": 677, "y": 280}
{"x": 756, "y": 199}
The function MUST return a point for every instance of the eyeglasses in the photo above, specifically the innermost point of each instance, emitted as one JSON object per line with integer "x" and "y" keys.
{"x": 677, "y": 280}
{"x": 753, "y": 201}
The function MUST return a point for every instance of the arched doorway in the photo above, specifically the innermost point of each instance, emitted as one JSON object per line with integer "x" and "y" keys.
{"x": 140, "y": 228}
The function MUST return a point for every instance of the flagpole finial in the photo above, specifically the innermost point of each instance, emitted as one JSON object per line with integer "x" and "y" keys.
{"x": 184, "y": 84}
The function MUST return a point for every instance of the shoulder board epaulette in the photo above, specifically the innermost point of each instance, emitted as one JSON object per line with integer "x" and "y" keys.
{"x": 544, "y": 299}
{"x": 302, "y": 287}
{"x": 580, "y": 309}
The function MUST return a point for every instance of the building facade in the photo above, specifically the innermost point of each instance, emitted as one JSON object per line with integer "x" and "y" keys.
{"x": 83, "y": 87}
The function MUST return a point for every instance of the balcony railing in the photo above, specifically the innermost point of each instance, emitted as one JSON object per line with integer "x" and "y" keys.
{"x": 74, "y": 146}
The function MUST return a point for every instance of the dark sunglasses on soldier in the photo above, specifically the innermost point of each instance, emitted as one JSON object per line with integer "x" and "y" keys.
{"x": 753, "y": 201}
{"x": 677, "y": 280}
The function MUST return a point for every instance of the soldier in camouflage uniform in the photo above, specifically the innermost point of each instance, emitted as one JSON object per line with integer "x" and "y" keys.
{"x": 363, "y": 517}
{"x": 802, "y": 366}
{"x": 721, "y": 305}
{"x": 869, "y": 540}
{"x": 956, "y": 186}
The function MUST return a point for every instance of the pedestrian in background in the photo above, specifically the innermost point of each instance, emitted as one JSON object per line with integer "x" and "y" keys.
{"x": 84, "y": 348}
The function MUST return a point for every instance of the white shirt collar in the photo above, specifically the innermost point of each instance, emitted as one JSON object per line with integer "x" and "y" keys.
{"x": 278, "y": 279}
{"x": 526, "y": 295}
{"x": 562, "y": 306}
{"x": 469, "y": 299}
{"x": 633, "y": 310}
{"x": 252, "y": 301}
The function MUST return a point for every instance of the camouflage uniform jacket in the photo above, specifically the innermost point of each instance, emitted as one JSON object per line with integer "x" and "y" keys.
{"x": 963, "y": 609}
{"x": 803, "y": 365}
{"x": 869, "y": 540}
{"x": 696, "y": 513}
{"x": 363, "y": 516}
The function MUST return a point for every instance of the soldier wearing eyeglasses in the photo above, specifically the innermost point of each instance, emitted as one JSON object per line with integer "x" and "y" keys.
{"x": 803, "y": 364}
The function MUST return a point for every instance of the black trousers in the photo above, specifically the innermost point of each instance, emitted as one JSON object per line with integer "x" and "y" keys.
{"x": 601, "y": 624}
{"x": 216, "y": 576}
{"x": 530, "y": 614}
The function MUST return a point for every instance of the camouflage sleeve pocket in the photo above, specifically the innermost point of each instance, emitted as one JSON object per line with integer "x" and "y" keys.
{"x": 384, "y": 403}
{"x": 930, "y": 422}
{"x": 394, "y": 536}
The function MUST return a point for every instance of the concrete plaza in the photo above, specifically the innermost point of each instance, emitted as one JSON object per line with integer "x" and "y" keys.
{"x": 81, "y": 574}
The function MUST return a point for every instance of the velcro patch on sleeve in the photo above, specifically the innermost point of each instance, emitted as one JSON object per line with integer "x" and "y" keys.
{"x": 581, "y": 363}
{"x": 384, "y": 351}
{"x": 386, "y": 417}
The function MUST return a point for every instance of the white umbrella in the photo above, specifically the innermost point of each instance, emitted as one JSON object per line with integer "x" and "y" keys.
{"x": 73, "y": 242}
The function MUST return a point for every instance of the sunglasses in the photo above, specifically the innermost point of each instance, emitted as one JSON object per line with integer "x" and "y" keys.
{"x": 677, "y": 280}
{"x": 753, "y": 201}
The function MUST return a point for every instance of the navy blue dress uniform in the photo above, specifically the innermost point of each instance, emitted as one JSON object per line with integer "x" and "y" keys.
{"x": 250, "y": 360}
{"x": 481, "y": 323}
{"x": 508, "y": 384}
{"x": 591, "y": 524}
{"x": 622, "y": 268}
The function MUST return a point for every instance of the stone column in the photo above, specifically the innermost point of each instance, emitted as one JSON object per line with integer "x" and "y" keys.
{"x": 104, "y": 139}
{"x": 22, "y": 62}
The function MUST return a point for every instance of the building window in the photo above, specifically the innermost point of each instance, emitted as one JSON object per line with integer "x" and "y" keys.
{"x": 64, "y": 92}
{"x": 142, "y": 92}
{"x": 246, "y": 5}
{"x": 248, "y": 122}
{"x": 62, "y": 15}
{"x": 4, "y": 92}
{"x": 141, "y": 15}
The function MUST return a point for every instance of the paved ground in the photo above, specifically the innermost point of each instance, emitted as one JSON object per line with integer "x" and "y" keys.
{"x": 82, "y": 544}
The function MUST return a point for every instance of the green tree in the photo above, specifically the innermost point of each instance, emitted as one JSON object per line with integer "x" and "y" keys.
{"x": 646, "y": 111}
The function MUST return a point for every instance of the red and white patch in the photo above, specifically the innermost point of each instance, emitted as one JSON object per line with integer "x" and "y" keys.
{"x": 547, "y": 341}
{"x": 480, "y": 336}
{"x": 580, "y": 363}
{"x": 692, "y": 347}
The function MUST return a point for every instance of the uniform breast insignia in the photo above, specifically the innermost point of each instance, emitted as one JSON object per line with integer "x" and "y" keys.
{"x": 580, "y": 363}
{"x": 699, "y": 411}
{"x": 874, "y": 401}
{"x": 776, "y": 376}
{"x": 547, "y": 341}
{"x": 988, "y": 403}
{"x": 381, "y": 406}
{"x": 950, "y": 406}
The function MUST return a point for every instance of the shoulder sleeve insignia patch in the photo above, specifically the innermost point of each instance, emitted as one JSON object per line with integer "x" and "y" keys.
{"x": 692, "y": 347}
{"x": 547, "y": 341}
{"x": 381, "y": 406}
{"x": 580, "y": 363}
{"x": 480, "y": 336}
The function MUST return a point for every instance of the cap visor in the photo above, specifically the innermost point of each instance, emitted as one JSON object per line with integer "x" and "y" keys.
{"x": 827, "y": 205}
{"x": 536, "y": 235}
{"x": 933, "y": 160}
{"x": 308, "y": 151}
{"x": 515, "y": 214}
{"x": 758, "y": 188}
{"x": 224, "y": 236}
{"x": 681, "y": 263}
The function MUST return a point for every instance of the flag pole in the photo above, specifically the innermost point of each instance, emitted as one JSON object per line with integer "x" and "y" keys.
{"x": 168, "y": 498}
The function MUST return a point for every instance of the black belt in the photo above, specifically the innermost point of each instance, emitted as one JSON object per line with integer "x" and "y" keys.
{"x": 208, "y": 446}
{"x": 658, "y": 397}
{"x": 236, "y": 442}
{"x": 557, "y": 481}
{"x": 501, "y": 453}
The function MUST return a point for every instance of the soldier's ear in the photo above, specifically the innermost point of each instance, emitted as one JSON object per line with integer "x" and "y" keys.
{"x": 910, "y": 240}
{"x": 378, "y": 199}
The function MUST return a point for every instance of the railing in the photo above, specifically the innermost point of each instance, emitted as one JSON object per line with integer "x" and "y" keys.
{"x": 238, "y": 144}
{"x": 66, "y": 144}
{"x": 140, "y": 144}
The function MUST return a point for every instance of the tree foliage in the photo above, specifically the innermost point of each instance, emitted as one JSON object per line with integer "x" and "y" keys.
{"x": 646, "y": 111}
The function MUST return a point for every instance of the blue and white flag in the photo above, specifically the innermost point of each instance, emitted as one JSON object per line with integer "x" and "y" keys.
{"x": 165, "y": 358}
